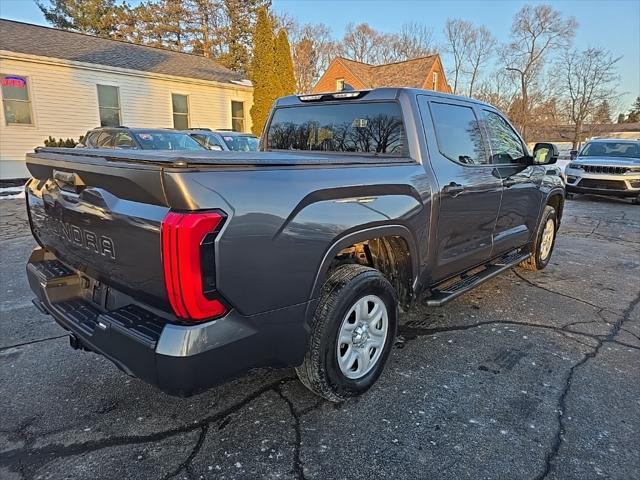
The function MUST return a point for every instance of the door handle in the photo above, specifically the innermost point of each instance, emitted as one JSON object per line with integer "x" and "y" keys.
{"x": 453, "y": 189}
{"x": 508, "y": 182}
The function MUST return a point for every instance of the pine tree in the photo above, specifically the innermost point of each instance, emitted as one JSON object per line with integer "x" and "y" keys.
{"x": 283, "y": 66}
{"x": 96, "y": 17}
{"x": 634, "y": 114}
{"x": 602, "y": 115}
{"x": 262, "y": 73}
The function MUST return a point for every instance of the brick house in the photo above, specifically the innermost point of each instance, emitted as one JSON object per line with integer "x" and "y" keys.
{"x": 424, "y": 72}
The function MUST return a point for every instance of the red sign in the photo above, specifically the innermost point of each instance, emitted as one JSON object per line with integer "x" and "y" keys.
{"x": 15, "y": 82}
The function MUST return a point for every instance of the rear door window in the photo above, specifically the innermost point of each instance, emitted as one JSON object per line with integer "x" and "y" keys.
{"x": 458, "y": 133}
{"x": 364, "y": 128}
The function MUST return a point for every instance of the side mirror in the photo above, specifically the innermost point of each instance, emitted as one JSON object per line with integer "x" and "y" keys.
{"x": 573, "y": 154}
{"x": 545, "y": 154}
{"x": 215, "y": 148}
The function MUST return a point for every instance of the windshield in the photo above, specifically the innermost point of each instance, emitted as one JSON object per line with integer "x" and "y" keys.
{"x": 611, "y": 149}
{"x": 167, "y": 141}
{"x": 241, "y": 143}
{"x": 370, "y": 128}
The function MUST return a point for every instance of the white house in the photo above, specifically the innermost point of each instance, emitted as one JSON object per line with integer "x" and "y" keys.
{"x": 61, "y": 84}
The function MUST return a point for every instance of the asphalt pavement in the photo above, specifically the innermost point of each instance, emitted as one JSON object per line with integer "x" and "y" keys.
{"x": 530, "y": 376}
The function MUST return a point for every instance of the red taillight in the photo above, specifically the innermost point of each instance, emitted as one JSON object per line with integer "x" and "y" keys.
{"x": 183, "y": 238}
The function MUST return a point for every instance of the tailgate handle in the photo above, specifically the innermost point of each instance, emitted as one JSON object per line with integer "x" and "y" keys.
{"x": 67, "y": 178}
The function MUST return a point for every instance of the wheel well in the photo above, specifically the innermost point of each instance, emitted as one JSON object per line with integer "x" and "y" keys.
{"x": 388, "y": 254}
{"x": 557, "y": 202}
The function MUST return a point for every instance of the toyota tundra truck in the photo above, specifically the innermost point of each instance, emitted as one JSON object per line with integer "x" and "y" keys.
{"x": 186, "y": 269}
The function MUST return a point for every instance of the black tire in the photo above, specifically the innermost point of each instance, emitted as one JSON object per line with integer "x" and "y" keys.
{"x": 320, "y": 371}
{"x": 569, "y": 196}
{"x": 636, "y": 201}
{"x": 535, "y": 261}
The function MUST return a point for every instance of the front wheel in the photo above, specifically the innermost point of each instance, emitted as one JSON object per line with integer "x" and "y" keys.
{"x": 543, "y": 242}
{"x": 352, "y": 333}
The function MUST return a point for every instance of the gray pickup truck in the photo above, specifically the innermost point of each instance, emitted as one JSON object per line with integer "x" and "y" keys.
{"x": 189, "y": 268}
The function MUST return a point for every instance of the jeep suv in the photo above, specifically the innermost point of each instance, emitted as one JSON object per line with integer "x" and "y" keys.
{"x": 606, "y": 167}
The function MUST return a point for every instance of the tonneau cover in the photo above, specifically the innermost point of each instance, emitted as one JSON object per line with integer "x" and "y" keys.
{"x": 207, "y": 157}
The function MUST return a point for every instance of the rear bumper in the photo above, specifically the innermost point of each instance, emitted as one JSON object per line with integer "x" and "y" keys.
{"x": 179, "y": 359}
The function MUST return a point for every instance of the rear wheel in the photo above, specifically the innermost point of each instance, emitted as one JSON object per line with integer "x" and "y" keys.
{"x": 636, "y": 201}
{"x": 352, "y": 333}
{"x": 543, "y": 242}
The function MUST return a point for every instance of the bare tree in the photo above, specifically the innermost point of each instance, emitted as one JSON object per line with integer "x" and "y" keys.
{"x": 535, "y": 32}
{"x": 312, "y": 49}
{"x": 587, "y": 80}
{"x": 458, "y": 34}
{"x": 360, "y": 42}
{"x": 480, "y": 50}
{"x": 412, "y": 41}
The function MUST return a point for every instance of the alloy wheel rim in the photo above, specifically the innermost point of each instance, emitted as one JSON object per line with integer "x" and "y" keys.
{"x": 362, "y": 336}
{"x": 547, "y": 239}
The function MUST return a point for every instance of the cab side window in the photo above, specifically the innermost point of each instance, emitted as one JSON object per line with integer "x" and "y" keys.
{"x": 105, "y": 140}
{"x": 506, "y": 146}
{"x": 458, "y": 133}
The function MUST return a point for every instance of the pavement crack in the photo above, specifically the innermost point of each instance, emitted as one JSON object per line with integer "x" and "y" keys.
{"x": 630, "y": 333}
{"x": 405, "y": 329}
{"x": 533, "y": 284}
{"x": 186, "y": 465}
{"x": 623, "y": 344}
{"x": 37, "y": 457}
{"x": 298, "y": 469}
{"x": 31, "y": 342}
{"x": 562, "y": 406}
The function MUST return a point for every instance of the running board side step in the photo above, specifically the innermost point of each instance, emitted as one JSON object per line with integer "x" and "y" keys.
{"x": 454, "y": 288}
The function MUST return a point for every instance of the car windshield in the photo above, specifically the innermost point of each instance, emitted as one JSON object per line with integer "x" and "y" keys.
{"x": 364, "y": 128}
{"x": 611, "y": 149}
{"x": 240, "y": 143}
{"x": 153, "y": 140}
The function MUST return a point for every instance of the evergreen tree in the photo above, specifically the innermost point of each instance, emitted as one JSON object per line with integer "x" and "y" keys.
{"x": 283, "y": 66}
{"x": 96, "y": 17}
{"x": 634, "y": 114}
{"x": 262, "y": 71}
{"x": 602, "y": 114}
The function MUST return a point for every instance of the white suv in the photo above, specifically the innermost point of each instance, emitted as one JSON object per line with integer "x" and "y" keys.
{"x": 606, "y": 167}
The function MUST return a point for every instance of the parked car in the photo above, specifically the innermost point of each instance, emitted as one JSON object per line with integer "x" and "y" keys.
{"x": 299, "y": 255}
{"x": 223, "y": 140}
{"x": 125, "y": 138}
{"x": 606, "y": 167}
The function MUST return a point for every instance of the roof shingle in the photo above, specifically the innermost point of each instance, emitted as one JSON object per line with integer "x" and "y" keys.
{"x": 409, "y": 73}
{"x": 50, "y": 42}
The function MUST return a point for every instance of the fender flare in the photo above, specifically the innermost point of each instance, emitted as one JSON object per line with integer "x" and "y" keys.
{"x": 560, "y": 192}
{"x": 352, "y": 237}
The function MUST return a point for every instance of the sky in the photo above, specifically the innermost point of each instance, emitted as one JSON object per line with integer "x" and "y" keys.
{"x": 612, "y": 24}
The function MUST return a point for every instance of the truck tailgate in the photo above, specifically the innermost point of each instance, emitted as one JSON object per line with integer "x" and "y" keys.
{"x": 101, "y": 219}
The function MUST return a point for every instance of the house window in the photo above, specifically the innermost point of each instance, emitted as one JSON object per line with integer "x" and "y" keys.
{"x": 237, "y": 116}
{"x": 339, "y": 84}
{"x": 109, "y": 105}
{"x": 16, "y": 100}
{"x": 435, "y": 81}
{"x": 180, "y": 111}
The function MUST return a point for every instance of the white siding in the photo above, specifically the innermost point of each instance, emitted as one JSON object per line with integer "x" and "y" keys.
{"x": 64, "y": 103}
